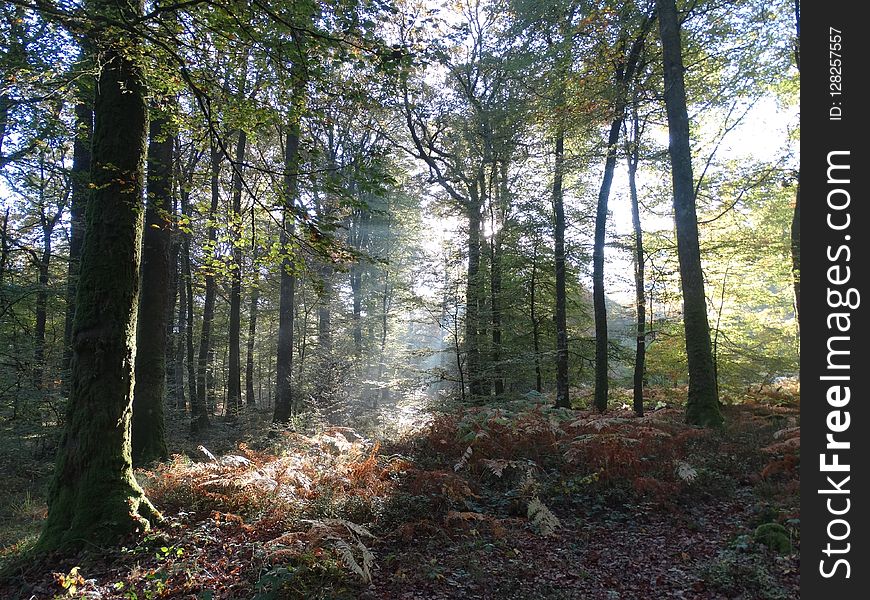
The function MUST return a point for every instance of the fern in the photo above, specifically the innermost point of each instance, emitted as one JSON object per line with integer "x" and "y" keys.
{"x": 463, "y": 460}
{"x": 497, "y": 466}
{"x": 352, "y": 527}
{"x": 335, "y": 531}
{"x": 686, "y": 472}
{"x": 363, "y": 567}
{"x": 542, "y": 518}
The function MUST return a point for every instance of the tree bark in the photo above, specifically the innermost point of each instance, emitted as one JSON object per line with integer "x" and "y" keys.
{"x": 200, "y": 409}
{"x": 533, "y": 315}
{"x": 81, "y": 169}
{"x": 639, "y": 274}
{"x": 356, "y": 290}
{"x": 796, "y": 217}
{"x": 173, "y": 339}
{"x": 702, "y": 405}
{"x": 359, "y": 237}
{"x": 287, "y": 299}
{"x": 48, "y": 223}
{"x": 599, "y": 300}
{"x": 476, "y": 387}
{"x": 188, "y": 288}
{"x": 148, "y": 428}
{"x": 497, "y": 212}
{"x": 623, "y": 76}
{"x": 562, "y": 398}
{"x": 796, "y": 249}
{"x": 234, "y": 375}
{"x": 250, "y": 398}
{"x": 324, "y": 312}
{"x": 94, "y": 498}
{"x": 5, "y": 247}
{"x": 181, "y": 336}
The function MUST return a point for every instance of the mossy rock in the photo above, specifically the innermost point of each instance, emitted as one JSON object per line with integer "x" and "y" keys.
{"x": 774, "y": 536}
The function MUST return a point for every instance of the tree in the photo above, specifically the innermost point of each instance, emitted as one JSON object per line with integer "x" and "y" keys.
{"x": 148, "y": 427}
{"x": 796, "y": 218}
{"x": 79, "y": 193}
{"x": 702, "y": 406}
{"x": 623, "y": 77}
{"x": 287, "y": 297}
{"x": 94, "y": 497}
{"x": 633, "y": 159}
{"x": 234, "y": 376}
{"x": 562, "y": 398}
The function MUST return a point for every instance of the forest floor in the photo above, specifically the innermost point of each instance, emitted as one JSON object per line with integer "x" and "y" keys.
{"x": 516, "y": 501}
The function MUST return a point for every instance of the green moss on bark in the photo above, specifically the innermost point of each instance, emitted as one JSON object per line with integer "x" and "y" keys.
{"x": 94, "y": 499}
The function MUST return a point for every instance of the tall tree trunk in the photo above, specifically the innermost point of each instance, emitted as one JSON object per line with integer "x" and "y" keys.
{"x": 386, "y": 301}
{"x": 796, "y": 248}
{"x": 188, "y": 288}
{"x": 639, "y": 272}
{"x": 47, "y": 222}
{"x": 324, "y": 312}
{"x": 181, "y": 336}
{"x": 42, "y": 302}
{"x": 356, "y": 290}
{"x": 599, "y": 300}
{"x": 533, "y": 315}
{"x": 234, "y": 375}
{"x": 796, "y": 217}
{"x": 172, "y": 337}
{"x": 250, "y": 398}
{"x": 624, "y": 75}
{"x": 94, "y": 498}
{"x": 5, "y": 247}
{"x": 702, "y": 406}
{"x": 287, "y": 298}
{"x": 496, "y": 312}
{"x": 562, "y": 398}
{"x": 359, "y": 237}
{"x": 472, "y": 300}
{"x": 200, "y": 409}
{"x": 497, "y": 212}
{"x": 81, "y": 169}
{"x": 148, "y": 428}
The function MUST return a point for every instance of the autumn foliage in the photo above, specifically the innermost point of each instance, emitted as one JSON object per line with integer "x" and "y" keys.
{"x": 314, "y": 515}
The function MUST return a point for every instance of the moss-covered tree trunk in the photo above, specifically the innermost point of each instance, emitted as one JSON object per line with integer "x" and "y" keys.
{"x": 94, "y": 498}
{"x": 81, "y": 169}
{"x": 702, "y": 406}
{"x": 149, "y": 429}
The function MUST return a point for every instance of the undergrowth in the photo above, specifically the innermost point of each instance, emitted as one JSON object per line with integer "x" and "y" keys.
{"x": 302, "y": 516}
